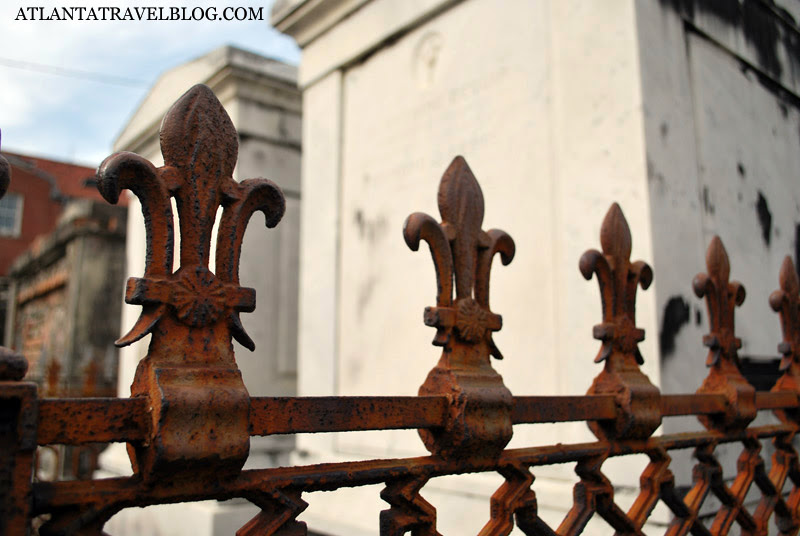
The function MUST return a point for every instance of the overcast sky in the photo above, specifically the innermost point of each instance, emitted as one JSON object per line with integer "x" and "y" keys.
{"x": 67, "y": 88}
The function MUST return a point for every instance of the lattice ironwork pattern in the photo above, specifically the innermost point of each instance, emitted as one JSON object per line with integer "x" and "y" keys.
{"x": 189, "y": 420}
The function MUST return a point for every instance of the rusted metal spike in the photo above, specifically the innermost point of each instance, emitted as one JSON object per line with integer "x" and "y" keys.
{"x": 460, "y": 251}
{"x": 618, "y": 278}
{"x": 192, "y": 313}
{"x": 200, "y": 147}
{"x": 786, "y": 302}
{"x": 724, "y": 377}
{"x": 461, "y": 206}
{"x": 722, "y": 297}
{"x": 479, "y": 422}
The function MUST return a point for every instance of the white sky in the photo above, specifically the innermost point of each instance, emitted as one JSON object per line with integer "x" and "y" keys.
{"x": 77, "y": 119}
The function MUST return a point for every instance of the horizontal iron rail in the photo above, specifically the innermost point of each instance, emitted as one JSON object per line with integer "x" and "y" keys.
{"x": 337, "y": 414}
{"x": 77, "y": 421}
{"x": 130, "y": 491}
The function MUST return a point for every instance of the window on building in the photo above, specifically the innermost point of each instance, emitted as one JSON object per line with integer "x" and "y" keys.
{"x": 10, "y": 214}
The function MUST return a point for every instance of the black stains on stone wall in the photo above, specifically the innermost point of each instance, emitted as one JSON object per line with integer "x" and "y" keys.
{"x": 708, "y": 206}
{"x": 763, "y": 24}
{"x": 370, "y": 230}
{"x": 676, "y": 314}
{"x": 683, "y": 7}
{"x": 764, "y": 217}
{"x": 653, "y": 175}
{"x": 786, "y": 99}
{"x": 761, "y": 30}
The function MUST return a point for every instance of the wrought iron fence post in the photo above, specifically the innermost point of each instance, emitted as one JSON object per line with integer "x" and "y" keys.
{"x": 638, "y": 400}
{"x": 18, "y": 417}
{"x": 786, "y": 302}
{"x": 479, "y": 421}
{"x": 724, "y": 376}
{"x": 198, "y": 405}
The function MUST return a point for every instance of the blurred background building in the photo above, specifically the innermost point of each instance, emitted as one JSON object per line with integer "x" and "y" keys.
{"x": 32, "y": 207}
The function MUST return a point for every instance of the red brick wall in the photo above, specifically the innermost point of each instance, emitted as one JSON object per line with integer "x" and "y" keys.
{"x": 37, "y": 179}
{"x": 39, "y": 214}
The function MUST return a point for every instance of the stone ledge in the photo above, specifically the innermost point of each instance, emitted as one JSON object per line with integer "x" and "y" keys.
{"x": 336, "y": 33}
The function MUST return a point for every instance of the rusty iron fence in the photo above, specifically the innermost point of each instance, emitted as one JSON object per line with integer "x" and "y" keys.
{"x": 189, "y": 420}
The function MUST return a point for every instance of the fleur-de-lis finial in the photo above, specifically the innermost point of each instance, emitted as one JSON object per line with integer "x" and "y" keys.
{"x": 724, "y": 377}
{"x": 618, "y": 279}
{"x": 462, "y": 252}
{"x": 786, "y": 302}
{"x": 193, "y": 312}
{"x": 200, "y": 146}
{"x": 722, "y": 297}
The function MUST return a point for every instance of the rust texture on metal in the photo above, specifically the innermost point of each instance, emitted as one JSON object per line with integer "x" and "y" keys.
{"x": 328, "y": 476}
{"x": 18, "y": 406}
{"x": 636, "y": 398}
{"x": 287, "y": 415}
{"x": 189, "y": 419}
{"x": 724, "y": 377}
{"x": 197, "y": 401}
{"x": 479, "y": 418}
{"x": 102, "y": 420}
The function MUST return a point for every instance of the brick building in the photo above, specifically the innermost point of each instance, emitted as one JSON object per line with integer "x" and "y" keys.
{"x": 63, "y": 254}
{"x": 53, "y": 225}
{"x": 36, "y": 198}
